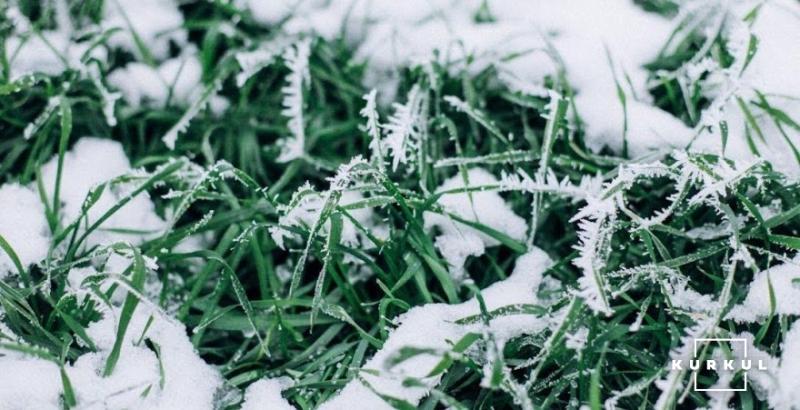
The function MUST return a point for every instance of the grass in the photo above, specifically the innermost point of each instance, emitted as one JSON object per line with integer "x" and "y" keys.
{"x": 320, "y": 325}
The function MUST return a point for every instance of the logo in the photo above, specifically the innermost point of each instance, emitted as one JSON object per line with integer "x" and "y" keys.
{"x": 706, "y": 366}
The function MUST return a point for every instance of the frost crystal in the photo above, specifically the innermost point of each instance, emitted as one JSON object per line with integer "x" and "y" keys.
{"x": 297, "y": 60}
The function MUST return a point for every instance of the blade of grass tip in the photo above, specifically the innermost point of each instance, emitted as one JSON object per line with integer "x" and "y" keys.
{"x": 752, "y": 48}
{"x": 69, "y": 393}
{"x": 750, "y": 119}
{"x": 23, "y": 274}
{"x": 128, "y": 307}
{"x": 241, "y": 297}
{"x": 227, "y": 64}
{"x": 723, "y": 128}
{"x": 459, "y": 347}
{"x": 66, "y": 129}
{"x": 772, "y": 303}
{"x": 791, "y": 242}
{"x": 594, "y": 387}
{"x": 338, "y": 312}
{"x": 623, "y": 99}
{"x": 334, "y": 236}
{"x": 557, "y": 111}
{"x": 330, "y": 204}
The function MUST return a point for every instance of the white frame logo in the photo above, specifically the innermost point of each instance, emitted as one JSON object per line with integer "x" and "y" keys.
{"x": 731, "y": 341}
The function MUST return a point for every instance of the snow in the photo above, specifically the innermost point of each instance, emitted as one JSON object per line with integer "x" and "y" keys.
{"x": 437, "y": 323}
{"x": 90, "y": 162}
{"x": 266, "y": 394}
{"x": 188, "y": 382}
{"x": 175, "y": 378}
{"x": 780, "y": 383}
{"x": 176, "y": 80}
{"x": 48, "y": 52}
{"x": 23, "y": 226}
{"x": 28, "y": 383}
{"x": 457, "y": 241}
{"x": 756, "y": 305}
{"x": 155, "y": 22}
{"x": 772, "y": 71}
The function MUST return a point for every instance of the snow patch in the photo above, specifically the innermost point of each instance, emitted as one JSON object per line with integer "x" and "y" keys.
{"x": 458, "y": 241}
{"x": 23, "y": 226}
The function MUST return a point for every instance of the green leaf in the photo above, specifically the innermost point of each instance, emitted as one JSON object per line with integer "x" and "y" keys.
{"x": 128, "y": 307}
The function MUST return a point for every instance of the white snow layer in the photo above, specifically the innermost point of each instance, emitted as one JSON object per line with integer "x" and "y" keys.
{"x": 772, "y": 72}
{"x": 174, "y": 378}
{"x": 779, "y": 385}
{"x": 155, "y": 22}
{"x": 175, "y": 81}
{"x": 23, "y": 226}
{"x": 458, "y": 241}
{"x": 437, "y": 323}
{"x": 756, "y": 305}
{"x": 46, "y": 52}
{"x": 93, "y": 161}
{"x": 265, "y": 394}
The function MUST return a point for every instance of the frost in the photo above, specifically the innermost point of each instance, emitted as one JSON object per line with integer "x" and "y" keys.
{"x": 373, "y": 127}
{"x": 599, "y": 45}
{"x": 402, "y": 132}
{"x": 296, "y": 58}
{"x": 766, "y": 70}
{"x": 253, "y": 61}
{"x": 109, "y": 98}
{"x": 305, "y": 209}
{"x": 458, "y": 241}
